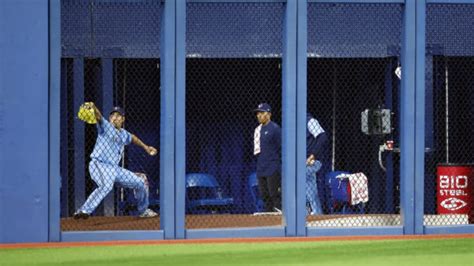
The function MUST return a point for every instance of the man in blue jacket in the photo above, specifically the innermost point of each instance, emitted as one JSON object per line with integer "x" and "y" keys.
{"x": 267, "y": 148}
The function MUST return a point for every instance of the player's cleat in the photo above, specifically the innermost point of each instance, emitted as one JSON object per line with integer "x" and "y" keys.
{"x": 278, "y": 211}
{"x": 148, "y": 213}
{"x": 81, "y": 215}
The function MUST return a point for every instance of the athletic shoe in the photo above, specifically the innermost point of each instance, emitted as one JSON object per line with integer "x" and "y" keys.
{"x": 81, "y": 215}
{"x": 148, "y": 213}
{"x": 278, "y": 211}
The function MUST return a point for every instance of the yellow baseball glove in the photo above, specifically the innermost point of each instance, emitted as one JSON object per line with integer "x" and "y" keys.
{"x": 86, "y": 113}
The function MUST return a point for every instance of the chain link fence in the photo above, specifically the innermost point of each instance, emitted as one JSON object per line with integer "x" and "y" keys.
{"x": 353, "y": 169}
{"x": 111, "y": 58}
{"x": 449, "y": 103}
{"x": 233, "y": 64}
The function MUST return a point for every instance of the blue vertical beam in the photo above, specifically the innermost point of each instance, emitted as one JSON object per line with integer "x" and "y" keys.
{"x": 107, "y": 105}
{"x": 301, "y": 109}
{"x": 180, "y": 142}
{"x": 420, "y": 114}
{"x": 79, "y": 135}
{"x": 3, "y": 67}
{"x": 407, "y": 124}
{"x": 54, "y": 119}
{"x": 167, "y": 127}
{"x": 289, "y": 122}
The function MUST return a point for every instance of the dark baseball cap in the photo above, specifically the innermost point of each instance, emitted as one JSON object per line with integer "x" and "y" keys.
{"x": 118, "y": 110}
{"x": 263, "y": 107}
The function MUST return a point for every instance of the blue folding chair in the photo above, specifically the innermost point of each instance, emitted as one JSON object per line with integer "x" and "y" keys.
{"x": 339, "y": 199}
{"x": 204, "y": 195}
{"x": 254, "y": 192}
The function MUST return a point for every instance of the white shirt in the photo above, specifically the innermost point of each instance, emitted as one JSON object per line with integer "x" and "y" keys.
{"x": 256, "y": 140}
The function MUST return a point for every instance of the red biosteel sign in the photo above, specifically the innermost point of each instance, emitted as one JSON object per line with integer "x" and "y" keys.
{"x": 454, "y": 189}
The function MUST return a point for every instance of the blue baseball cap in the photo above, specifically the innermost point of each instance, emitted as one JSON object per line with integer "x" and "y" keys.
{"x": 118, "y": 110}
{"x": 263, "y": 107}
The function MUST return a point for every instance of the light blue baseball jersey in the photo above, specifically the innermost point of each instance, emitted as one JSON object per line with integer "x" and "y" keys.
{"x": 110, "y": 143}
{"x": 105, "y": 171}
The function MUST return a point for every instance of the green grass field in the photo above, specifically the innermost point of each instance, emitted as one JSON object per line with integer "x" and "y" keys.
{"x": 446, "y": 252}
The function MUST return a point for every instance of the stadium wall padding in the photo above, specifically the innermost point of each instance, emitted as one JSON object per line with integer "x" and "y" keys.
{"x": 24, "y": 99}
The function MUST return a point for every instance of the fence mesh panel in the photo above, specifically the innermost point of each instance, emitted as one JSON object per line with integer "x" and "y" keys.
{"x": 113, "y": 61}
{"x": 111, "y": 57}
{"x": 449, "y": 101}
{"x": 353, "y": 108}
{"x": 233, "y": 64}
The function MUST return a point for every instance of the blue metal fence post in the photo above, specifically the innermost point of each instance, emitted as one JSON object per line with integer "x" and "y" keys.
{"x": 107, "y": 96}
{"x": 420, "y": 115}
{"x": 167, "y": 134}
{"x": 79, "y": 135}
{"x": 407, "y": 110}
{"x": 289, "y": 123}
{"x": 301, "y": 109}
{"x": 54, "y": 119}
{"x": 180, "y": 122}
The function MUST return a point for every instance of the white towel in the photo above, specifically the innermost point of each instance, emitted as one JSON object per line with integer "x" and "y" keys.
{"x": 359, "y": 187}
{"x": 314, "y": 127}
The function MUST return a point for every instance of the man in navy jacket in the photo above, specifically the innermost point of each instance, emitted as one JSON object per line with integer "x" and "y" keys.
{"x": 267, "y": 148}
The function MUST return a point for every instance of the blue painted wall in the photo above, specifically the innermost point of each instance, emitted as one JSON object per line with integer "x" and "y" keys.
{"x": 234, "y": 30}
{"x": 354, "y": 30}
{"x": 449, "y": 27}
{"x": 24, "y": 83}
{"x": 99, "y": 28}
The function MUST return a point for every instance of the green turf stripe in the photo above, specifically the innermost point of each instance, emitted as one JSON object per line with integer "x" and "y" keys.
{"x": 390, "y": 252}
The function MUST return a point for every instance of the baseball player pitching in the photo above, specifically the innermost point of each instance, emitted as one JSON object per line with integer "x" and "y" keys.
{"x": 104, "y": 168}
